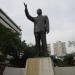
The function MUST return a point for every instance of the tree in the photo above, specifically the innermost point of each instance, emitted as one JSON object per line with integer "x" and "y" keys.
{"x": 68, "y": 59}
{"x": 10, "y": 42}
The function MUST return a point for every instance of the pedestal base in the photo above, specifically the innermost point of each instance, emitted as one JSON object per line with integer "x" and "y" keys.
{"x": 39, "y": 66}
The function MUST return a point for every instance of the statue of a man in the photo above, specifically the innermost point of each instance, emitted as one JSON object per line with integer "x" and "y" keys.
{"x": 41, "y": 27}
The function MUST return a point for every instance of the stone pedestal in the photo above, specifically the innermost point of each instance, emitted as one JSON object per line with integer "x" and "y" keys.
{"x": 39, "y": 66}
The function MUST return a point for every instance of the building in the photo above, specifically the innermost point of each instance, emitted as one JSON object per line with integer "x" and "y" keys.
{"x": 59, "y": 48}
{"x": 49, "y": 48}
{"x": 7, "y": 22}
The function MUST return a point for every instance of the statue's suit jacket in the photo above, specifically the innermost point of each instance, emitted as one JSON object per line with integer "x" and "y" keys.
{"x": 41, "y": 23}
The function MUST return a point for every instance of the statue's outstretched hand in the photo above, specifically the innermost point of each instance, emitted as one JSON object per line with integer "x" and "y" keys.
{"x": 25, "y": 5}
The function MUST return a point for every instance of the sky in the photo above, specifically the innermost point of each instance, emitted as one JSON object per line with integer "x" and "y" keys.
{"x": 61, "y": 14}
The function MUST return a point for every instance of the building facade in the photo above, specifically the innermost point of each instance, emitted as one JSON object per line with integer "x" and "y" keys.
{"x": 59, "y": 48}
{"x": 49, "y": 48}
{"x": 7, "y": 22}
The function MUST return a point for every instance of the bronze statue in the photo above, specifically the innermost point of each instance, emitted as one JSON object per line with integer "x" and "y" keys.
{"x": 41, "y": 27}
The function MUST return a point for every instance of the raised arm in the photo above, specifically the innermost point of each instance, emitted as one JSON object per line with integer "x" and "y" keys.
{"x": 27, "y": 13}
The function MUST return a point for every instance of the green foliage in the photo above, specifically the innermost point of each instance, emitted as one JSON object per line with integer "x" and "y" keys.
{"x": 68, "y": 59}
{"x": 30, "y": 51}
{"x": 11, "y": 44}
{"x": 10, "y": 41}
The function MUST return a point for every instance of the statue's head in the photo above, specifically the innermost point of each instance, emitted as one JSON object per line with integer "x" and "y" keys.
{"x": 39, "y": 12}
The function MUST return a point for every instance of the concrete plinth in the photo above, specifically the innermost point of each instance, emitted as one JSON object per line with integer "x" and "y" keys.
{"x": 39, "y": 66}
